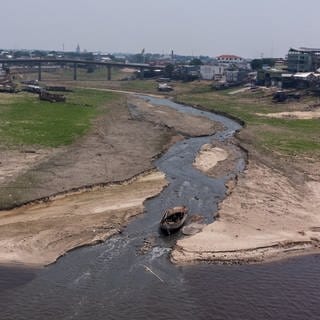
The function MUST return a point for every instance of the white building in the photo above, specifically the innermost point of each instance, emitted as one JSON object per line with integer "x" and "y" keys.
{"x": 211, "y": 72}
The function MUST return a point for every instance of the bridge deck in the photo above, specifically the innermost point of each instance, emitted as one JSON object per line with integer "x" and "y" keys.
{"x": 76, "y": 61}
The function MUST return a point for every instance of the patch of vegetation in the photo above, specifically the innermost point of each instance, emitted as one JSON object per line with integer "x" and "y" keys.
{"x": 291, "y": 144}
{"x": 25, "y": 120}
{"x": 140, "y": 85}
{"x": 287, "y": 136}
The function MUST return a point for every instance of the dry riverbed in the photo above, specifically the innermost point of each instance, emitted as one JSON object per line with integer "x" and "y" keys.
{"x": 37, "y": 234}
{"x": 269, "y": 213}
{"x": 119, "y": 147}
{"x": 266, "y": 217}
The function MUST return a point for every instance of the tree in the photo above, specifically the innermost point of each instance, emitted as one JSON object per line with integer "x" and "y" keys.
{"x": 196, "y": 62}
{"x": 257, "y": 64}
{"x": 168, "y": 70}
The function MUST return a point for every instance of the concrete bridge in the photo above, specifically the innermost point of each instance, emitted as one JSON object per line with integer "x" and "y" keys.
{"x": 75, "y": 62}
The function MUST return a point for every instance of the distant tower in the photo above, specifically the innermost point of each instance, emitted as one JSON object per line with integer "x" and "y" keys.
{"x": 78, "y": 49}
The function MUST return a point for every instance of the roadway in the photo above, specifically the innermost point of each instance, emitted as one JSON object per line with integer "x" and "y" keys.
{"x": 76, "y": 62}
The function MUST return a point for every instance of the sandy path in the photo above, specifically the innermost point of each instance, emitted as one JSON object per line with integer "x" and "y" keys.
{"x": 306, "y": 115}
{"x": 39, "y": 234}
{"x": 122, "y": 91}
{"x": 264, "y": 218}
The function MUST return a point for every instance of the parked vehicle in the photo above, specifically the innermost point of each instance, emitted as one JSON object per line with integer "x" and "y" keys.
{"x": 164, "y": 87}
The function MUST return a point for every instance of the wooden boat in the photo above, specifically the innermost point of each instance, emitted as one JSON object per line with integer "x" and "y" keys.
{"x": 51, "y": 97}
{"x": 173, "y": 219}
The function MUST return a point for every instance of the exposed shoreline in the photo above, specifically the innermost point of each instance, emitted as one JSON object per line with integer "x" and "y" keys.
{"x": 265, "y": 218}
{"x": 248, "y": 230}
{"x": 39, "y": 230}
{"x": 39, "y": 234}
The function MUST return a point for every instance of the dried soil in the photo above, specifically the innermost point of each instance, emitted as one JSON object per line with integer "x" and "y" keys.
{"x": 266, "y": 217}
{"x": 118, "y": 147}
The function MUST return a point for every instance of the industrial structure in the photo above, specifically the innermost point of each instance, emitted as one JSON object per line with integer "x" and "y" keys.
{"x": 303, "y": 60}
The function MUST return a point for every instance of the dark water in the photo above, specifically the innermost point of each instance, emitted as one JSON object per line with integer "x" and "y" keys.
{"x": 110, "y": 281}
{"x": 99, "y": 288}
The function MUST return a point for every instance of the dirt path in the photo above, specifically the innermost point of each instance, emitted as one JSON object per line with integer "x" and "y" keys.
{"x": 122, "y": 91}
{"x": 312, "y": 114}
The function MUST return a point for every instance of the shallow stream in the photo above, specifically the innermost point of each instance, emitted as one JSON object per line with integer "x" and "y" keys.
{"x": 115, "y": 280}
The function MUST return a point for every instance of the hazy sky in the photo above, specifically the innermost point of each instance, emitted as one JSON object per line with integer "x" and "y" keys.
{"x": 210, "y": 27}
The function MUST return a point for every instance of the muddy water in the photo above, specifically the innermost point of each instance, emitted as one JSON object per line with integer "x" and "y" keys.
{"x": 111, "y": 281}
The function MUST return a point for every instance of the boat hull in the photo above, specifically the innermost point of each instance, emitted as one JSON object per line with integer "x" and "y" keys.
{"x": 173, "y": 219}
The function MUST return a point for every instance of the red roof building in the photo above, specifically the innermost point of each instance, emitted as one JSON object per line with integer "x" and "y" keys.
{"x": 229, "y": 58}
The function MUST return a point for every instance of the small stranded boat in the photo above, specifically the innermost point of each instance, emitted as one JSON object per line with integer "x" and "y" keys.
{"x": 173, "y": 219}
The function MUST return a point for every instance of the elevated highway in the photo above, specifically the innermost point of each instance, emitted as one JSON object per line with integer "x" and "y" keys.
{"x": 75, "y": 62}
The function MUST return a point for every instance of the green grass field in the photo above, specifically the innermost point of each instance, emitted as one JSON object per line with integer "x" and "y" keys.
{"x": 285, "y": 136}
{"x": 25, "y": 120}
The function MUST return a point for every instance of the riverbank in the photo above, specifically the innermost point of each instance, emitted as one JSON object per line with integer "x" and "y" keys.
{"x": 116, "y": 148}
{"x": 266, "y": 217}
{"x": 120, "y": 145}
{"x": 38, "y": 234}
{"x": 270, "y": 214}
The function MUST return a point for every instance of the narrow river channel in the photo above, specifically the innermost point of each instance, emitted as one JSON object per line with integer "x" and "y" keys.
{"x": 113, "y": 280}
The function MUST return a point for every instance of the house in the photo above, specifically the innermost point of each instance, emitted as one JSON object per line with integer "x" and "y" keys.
{"x": 208, "y": 72}
{"x": 229, "y": 59}
{"x": 304, "y": 80}
{"x": 269, "y": 77}
{"x": 236, "y": 76}
{"x": 300, "y": 80}
{"x": 287, "y": 80}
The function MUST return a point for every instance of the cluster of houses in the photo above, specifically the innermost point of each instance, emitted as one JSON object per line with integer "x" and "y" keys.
{"x": 301, "y": 71}
{"x": 226, "y": 70}
{"x": 283, "y": 79}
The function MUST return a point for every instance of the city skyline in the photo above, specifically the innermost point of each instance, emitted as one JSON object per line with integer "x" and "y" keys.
{"x": 211, "y": 28}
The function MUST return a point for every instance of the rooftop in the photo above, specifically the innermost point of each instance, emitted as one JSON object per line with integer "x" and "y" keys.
{"x": 306, "y": 50}
{"x": 228, "y": 56}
